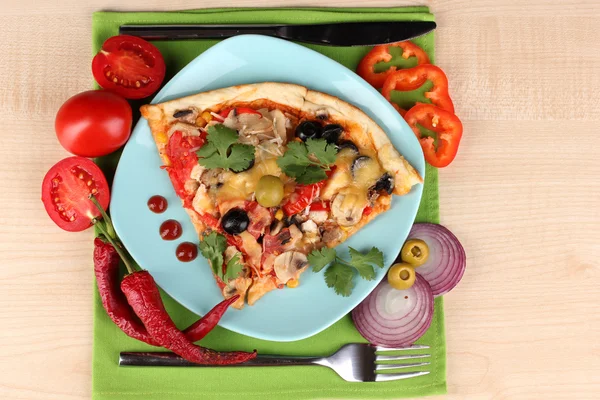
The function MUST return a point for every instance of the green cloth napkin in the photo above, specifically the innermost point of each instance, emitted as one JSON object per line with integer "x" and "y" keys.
{"x": 112, "y": 382}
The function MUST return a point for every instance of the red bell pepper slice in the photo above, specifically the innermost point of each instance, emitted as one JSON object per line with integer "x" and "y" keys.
{"x": 381, "y": 53}
{"x": 320, "y": 206}
{"x": 181, "y": 151}
{"x": 304, "y": 195}
{"x": 240, "y": 110}
{"x": 413, "y": 78}
{"x": 439, "y": 132}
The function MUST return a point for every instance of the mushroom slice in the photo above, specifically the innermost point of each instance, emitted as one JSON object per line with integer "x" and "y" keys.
{"x": 332, "y": 236}
{"x": 253, "y": 123}
{"x": 347, "y": 207}
{"x": 289, "y": 265}
{"x": 237, "y": 286}
{"x": 279, "y": 125}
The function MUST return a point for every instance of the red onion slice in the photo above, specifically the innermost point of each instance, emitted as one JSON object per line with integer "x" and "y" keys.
{"x": 395, "y": 318}
{"x": 447, "y": 259}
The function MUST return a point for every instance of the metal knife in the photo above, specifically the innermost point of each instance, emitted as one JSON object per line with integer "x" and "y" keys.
{"x": 339, "y": 34}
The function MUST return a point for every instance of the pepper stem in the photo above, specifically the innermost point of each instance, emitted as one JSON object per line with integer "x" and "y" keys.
{"x": 109, "y": 226}
{"x": 115, "y": 244}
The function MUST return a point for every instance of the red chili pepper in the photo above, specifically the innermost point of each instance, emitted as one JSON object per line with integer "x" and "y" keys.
{"x": 240, "y": 110}
{"x": 439, "y": 133}
{"x": 368, "y": 210}
{"x": 413, "y": 78}
{"x": 381, "y": 53}
{"x": 106, "y": 269}
{"x": 207, "y": 323}
{"x": 143, "y": 296}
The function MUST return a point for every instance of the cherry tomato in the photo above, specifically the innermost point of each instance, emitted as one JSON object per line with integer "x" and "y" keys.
{"x": 93, "y": 123}
{"x": 65, "y": 192}
{"x": 129, "y": 66}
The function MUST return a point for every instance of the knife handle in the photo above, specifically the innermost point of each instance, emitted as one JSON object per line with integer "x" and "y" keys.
{"x": 167, "y": 359}
{"x": 184, "y": 32}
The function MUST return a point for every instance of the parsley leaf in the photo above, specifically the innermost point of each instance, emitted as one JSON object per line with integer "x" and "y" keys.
{"x": 362, "y": 262}
{"x": 339, "y": 277}
{"x": 223, "y": 151}
{"x": 318, "y": 259}
{"x": 240, "y": 157}
{"x": 312, "y": 174}
{"x": 322, "y": 151}
{"x": 212, "y": 248}
{"x": 233, "y": 268}
{"x": 307, "y": 162}
{"x": 296, "y": 154}
{"x": 340, "y": 273}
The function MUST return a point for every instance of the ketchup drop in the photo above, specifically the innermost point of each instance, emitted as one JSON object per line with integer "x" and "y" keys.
{"x": 170, "y": 230}
{"x": 157, "y": 204}
{"x": 186, "y": 252}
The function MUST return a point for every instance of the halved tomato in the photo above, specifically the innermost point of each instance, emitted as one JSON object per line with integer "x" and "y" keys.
{"x": 65, "y": 192}
{"x": 129, "y": 66}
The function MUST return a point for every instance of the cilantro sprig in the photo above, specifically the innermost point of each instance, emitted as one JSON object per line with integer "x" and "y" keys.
{"x": 212, "y": 248}
{"x": 340, "y": 273}
{"x": 307, "y": 162}
{"x": 223, "y": 151}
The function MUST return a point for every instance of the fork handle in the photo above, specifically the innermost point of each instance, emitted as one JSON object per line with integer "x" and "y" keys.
{"x": 167, "y": 359}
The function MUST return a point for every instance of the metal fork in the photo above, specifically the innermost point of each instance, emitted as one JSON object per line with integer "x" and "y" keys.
{"x": 354, "y": 362}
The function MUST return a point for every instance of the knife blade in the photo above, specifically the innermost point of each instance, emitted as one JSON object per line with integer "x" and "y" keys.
{"x": 338, "y": 34}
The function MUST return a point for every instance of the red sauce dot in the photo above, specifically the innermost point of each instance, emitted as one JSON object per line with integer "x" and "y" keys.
{"x": 157, "y": 204}
{"x": 170, "y": 230}
{"x": 186, "y": 252}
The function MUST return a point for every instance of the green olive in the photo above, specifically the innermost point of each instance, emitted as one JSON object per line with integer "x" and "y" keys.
{"x": 401, "y": 276}
{"x": 269, "y": 191}
{"x": 415, "y": 252}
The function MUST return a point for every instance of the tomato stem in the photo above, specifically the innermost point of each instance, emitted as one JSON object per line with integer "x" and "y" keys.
{"x": 116, "y": 244}
{"x": 109, "y": 226}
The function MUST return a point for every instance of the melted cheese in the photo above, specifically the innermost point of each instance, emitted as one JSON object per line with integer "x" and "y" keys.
{"x": 348, "y": 188}
{"x": 202, "y": 202}
{"x": 367, "y": 174}
{"x": 243, "y": 184}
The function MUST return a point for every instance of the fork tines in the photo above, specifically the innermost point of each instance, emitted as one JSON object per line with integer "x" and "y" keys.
{"x": 404, "y": 375}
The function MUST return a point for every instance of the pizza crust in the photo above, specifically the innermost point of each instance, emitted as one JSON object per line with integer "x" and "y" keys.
{"x": 160, "y": 116}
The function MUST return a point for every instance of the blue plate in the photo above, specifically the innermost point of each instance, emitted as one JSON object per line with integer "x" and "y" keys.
{"x": 281, "y": 315}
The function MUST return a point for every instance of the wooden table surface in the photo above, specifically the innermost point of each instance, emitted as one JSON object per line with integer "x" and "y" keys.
{"x": 523, "y": 196}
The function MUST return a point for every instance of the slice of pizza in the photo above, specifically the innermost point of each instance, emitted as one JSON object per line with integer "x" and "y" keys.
{"x": 269, "y": 172}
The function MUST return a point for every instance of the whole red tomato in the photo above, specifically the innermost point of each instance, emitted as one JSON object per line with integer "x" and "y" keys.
{"x": 93, "y": 123}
